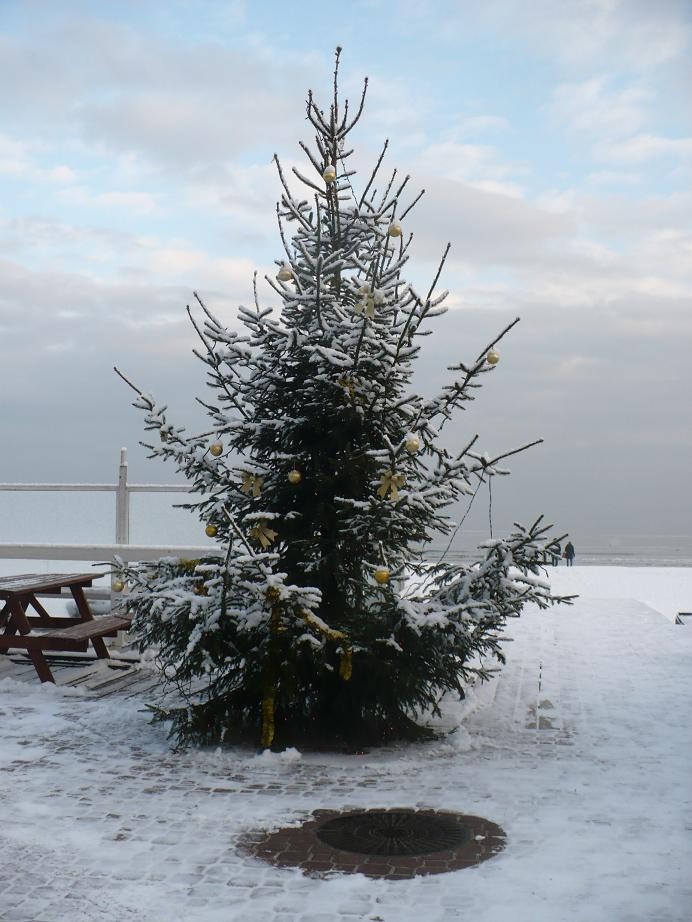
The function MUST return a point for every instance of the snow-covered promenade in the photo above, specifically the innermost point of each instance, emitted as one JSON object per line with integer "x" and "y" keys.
{"x": 581, "y": 751}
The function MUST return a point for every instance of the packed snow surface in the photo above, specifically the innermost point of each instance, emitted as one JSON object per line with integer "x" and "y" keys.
{"x": 581, "y": 750}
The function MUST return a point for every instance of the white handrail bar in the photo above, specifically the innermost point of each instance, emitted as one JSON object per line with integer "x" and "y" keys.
{"x": 104, "y": 487}
{"x": 105, "y": 552}
{"x": 87, "y": 487}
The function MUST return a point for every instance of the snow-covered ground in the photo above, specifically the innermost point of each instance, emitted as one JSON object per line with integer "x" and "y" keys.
{"x": 665, "y": 589}
{"x": 581, "y": 751}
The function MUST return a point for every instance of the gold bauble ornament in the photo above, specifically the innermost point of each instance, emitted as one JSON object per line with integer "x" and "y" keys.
{"x": 394, "y": 229}
{"x": 382, "y": 575}
{"x": 294, "y": 477}
{"x": 285, "y": 273}
{"x": 329, "y": 174}
{"x": 211, "y": 531}
{"x": 117, "y": 585}
{"x": 216, "y": 449}
{"x": 412, "y": 444}
{"x": 493, "y": 357}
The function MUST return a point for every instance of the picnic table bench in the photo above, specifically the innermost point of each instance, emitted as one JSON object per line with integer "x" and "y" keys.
{"x": 68, "y": 634}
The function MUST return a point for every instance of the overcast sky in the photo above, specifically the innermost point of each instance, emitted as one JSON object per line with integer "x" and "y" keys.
{"x": 555, "y": 144}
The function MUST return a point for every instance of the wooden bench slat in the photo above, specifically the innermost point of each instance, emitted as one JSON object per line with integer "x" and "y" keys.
{"x": 99, "y": 627}
{"x": 43, "y": 582}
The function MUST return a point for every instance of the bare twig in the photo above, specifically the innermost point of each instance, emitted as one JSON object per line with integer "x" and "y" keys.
{"x": 127, "y": 381}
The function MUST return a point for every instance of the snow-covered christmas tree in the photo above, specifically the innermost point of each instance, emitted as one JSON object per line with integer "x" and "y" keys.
{"x": 322, "y": 476}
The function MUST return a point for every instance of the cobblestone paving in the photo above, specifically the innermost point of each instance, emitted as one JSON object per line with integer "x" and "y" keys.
{"x": 103, "y": 822}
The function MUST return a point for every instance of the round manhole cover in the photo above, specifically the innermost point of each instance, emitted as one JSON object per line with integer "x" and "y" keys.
{"x": 392, "y": 843}
{"x": 393, "y": 832}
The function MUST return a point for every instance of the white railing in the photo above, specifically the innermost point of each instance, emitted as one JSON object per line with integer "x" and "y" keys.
{"x": 104, "y": 552}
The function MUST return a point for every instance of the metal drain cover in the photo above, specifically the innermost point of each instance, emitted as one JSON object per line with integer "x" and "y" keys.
{"x": 394, "y": 844}
{"x": 393, "y": 832}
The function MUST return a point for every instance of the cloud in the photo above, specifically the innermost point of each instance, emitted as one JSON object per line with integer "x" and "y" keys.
{"x": 40, "y": 308}
{"x": 244, "y": 196}
{"x": 395, "y": 104}
{"x": 477, "y": 165}
{"x": 593, "y": 107}
{"x": 485, "y": 228}
{"x": 644, "y": 147}
{"x": 131, "y": 91}
{"x": 135, "y": 202}
{"x": 575, "y": 366}
{"x": 614, "y": 177}
{"x": 40, "y": 239}
{"x": 633, "y": 34}
{"x": 19, "y": 159}
{"x": 478, "y": 124}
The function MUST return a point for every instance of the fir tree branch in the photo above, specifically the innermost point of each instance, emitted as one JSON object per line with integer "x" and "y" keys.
{"x": 456, "y": 392}
{"x": 413, "y": 204}
{"x": 262, "y": 567}
{"x": 401, "y": 187}
{"x": 281, "y": 291}
{"x": 317, "y": 165}
{"x": 335, "y": 105}
{"x": 462, "y": 520}
{"x": 437, "y": 274}
{"x": 315, "y": 115}
{"x": 288, "y": 200}
{"x": 374, "y": 173}
{"x": 515, "y": 451}
{"x": 133, "y": 386}
{"x": 484, "y": 352}
{"x": 384, "y": 205}
{"x": 214, "y": 360}
{"x": 308, "y": 182}
{"x": 343, "y": 132}
{"x": 318, "y": 266}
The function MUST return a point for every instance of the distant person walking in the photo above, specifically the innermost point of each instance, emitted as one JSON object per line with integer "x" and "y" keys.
{"x": 557, "y": 550}
{"x": 569, "y": 554}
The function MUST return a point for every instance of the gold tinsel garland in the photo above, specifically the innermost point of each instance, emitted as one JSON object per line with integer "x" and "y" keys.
{"x": 346, "y": 664}
{"x": 269, "y": 695}
{"x": 267, "y": 718}
{"x": 273, "y": 595}
{"x": 346, "y": 658}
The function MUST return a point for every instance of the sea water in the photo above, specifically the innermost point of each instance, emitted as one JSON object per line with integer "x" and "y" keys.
{"x": 89, "y": 518}
{"x": 612, "y": 550}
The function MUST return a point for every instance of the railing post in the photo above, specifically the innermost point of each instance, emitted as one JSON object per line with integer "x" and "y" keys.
{"x": 122, "y": 524}
{"x": 122, "y": 503}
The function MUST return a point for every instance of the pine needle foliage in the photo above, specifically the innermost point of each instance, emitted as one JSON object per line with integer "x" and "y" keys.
{"x": 323, "y": 621}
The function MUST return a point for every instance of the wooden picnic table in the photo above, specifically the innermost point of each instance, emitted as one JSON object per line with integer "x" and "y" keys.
{"x": 68, "y": 634}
